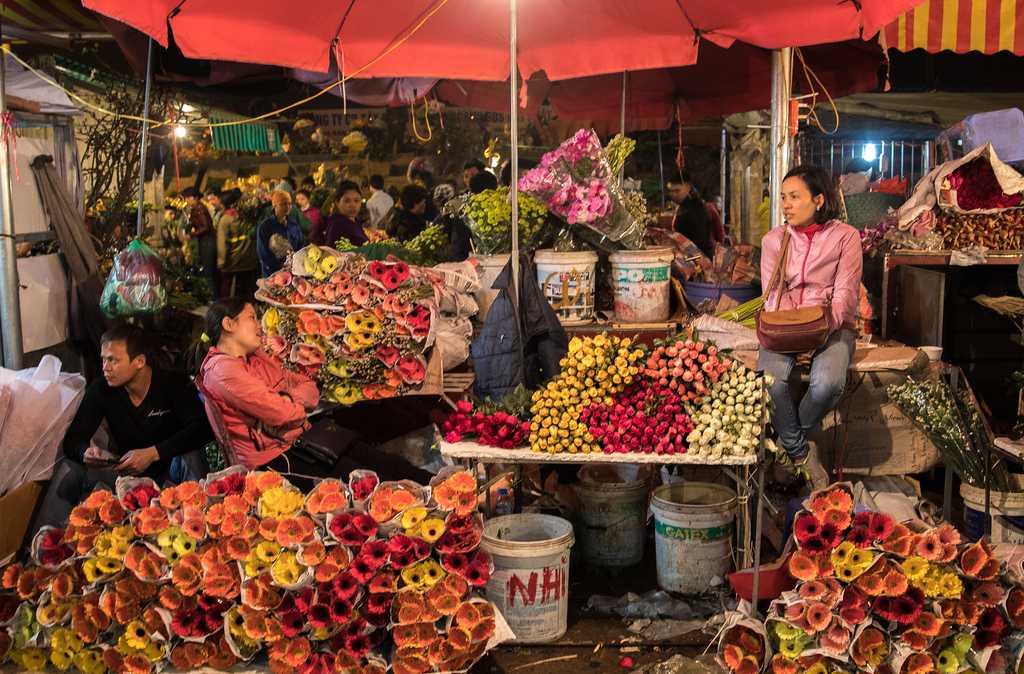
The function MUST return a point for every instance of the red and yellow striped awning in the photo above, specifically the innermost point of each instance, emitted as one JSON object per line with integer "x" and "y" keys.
{"x": 49, "y": 15}
{"x": 986, "y": 26}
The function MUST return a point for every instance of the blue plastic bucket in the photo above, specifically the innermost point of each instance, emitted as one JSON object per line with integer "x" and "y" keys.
{"x": 697, "y": 292}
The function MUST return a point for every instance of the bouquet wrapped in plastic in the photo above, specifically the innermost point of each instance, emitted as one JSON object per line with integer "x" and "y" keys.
{"x": 135, "y": 284}
{"x": 489, "y": 218}
{"x": 579, "y": 182}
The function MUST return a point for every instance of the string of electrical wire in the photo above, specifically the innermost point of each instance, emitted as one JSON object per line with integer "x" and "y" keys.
{"x": 814, "y": 83}
{"x": 344, "y": 77}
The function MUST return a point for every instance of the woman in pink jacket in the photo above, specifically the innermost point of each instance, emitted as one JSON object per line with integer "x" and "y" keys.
{"x": 259, "y": 410}
{"x": 823, "y": 268}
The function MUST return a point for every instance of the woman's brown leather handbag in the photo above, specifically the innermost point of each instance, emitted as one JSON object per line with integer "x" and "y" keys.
{"x": 792, "y": 330}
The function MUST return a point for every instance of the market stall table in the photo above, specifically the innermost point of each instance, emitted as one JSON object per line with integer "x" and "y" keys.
{"x": 737, "y": 468}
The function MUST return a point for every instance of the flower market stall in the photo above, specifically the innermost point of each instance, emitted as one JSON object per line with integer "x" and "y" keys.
{"x": 358, "y": 576}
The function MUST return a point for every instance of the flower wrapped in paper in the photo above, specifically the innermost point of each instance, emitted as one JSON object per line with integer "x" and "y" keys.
{"x": 579, "y": 182}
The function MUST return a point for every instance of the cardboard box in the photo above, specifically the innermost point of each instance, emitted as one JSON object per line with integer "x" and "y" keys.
{"x": 879, "y": 438}
{"x": 16, "y": 509}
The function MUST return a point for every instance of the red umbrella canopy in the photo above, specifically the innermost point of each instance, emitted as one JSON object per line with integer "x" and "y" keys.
{"x": 721, "y": 82}
{"x": 468, "y": 39}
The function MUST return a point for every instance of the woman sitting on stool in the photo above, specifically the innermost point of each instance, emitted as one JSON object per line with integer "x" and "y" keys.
{"x": 823, "y": 268}
{"x": 261, "y": 409}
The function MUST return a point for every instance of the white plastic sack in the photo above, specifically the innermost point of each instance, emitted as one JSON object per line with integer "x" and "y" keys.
{"x": 36, "y": 408}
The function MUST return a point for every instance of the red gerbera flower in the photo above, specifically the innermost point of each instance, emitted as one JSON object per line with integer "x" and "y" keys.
{"x": 187, "y": 623}
{"x": 400, "y": 543}
{"x": 830, "y": 534}
{"x": 344, "y": 586}
{"x": 341, "y": 611}
{"x": 375, "y": 552}
{"x": 364, "y": 524}
{"x": 455, "y": 563}
{"x": 814, "y": 544}
{"x": 881, "y": 526}
{"x": 378, "y": 603}
{"x": 357, "y": 645}
{"x": 860, "y": 536}
{"x": 862, "y": 519}
{"x": 991, "y": 620}
{"x": 292, "y": 623}
{"x": 362, "y": 569}
{"x": 806, "y": 527}
{"x": 319, "y": 615}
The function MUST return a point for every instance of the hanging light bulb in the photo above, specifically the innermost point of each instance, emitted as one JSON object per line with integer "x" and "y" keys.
{"x": 180, "y": 131}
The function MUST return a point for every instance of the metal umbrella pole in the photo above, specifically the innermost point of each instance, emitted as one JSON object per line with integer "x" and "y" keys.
{"x": 514, "y": 141}
{"x": 145, "y": 138}
{"x": 10, "y": 302}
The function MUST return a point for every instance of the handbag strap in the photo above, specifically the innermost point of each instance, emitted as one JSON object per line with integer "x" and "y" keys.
{"x": 780, "y": 270}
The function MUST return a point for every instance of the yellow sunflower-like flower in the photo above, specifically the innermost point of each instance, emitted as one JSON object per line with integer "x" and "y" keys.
{"x": 413, "y": 517}
{"x": 266, "y": 552}
{"x": 915, "y": 568}
{"x": 155, "y": 651}
{"x": 431, "y": 529}
{"x": 135, "y": 635}
{"x": 842, "y": 552}
{"x": 286, "y": 570}
{"x": 90, "y": 661}
{"x": 30, "y": 658}
{"x": 108, "y": 565}
{"x": 278, "y": 502}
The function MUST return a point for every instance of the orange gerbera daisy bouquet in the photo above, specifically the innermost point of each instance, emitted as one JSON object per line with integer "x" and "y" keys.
{"x": 214, "y": 573}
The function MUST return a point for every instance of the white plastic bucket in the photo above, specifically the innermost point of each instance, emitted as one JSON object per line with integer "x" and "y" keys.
{"x": 567, "y": 281}
{"x": 640, "y": 281}
{"x": 1007, "y": 508}
{"x": 490, "y": 269}
{"x": 693, "y": 526}
{"x": 612, "y": 525}
{"x": 530, "y": 583}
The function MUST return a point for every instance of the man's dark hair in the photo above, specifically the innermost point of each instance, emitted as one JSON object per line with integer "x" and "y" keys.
{"x": 189, "y": 192}
{"x": 212, "y": 193}
{"x": 506, "y": 171}
{"x": 412, "y": 195}
{"x": 229, "y": 198}
{"x": 308, "y": 180}
{"x": 474, "y": 163}
{"x": 484, "y": 180}
{"x": 857, "y": 165}
{"x": 133, "y": 338}
{"x": 818, "y": 181}
{"x": 303, "y": 192}
{"x": 377, "y": 182}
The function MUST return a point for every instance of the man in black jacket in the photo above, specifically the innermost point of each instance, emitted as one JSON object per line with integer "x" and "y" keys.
{"x": 156, "y": 421}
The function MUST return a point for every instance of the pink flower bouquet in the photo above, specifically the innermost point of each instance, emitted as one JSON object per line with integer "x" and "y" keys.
{"x": 577, "y": 182}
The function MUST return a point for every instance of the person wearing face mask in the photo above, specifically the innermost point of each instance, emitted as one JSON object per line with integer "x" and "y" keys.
{"x": 823, "y": 268}
{"x": 347, "y": 202}
{"x": 260, "y": 411}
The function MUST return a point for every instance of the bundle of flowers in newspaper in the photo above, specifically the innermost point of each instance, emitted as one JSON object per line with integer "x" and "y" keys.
{"x": 874, "y": 595}
{"x": 363, "y": 329}
{"x": 579, "y": 182}
{"x": 213, "y": 574}
{"x": 135, "y": 284}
